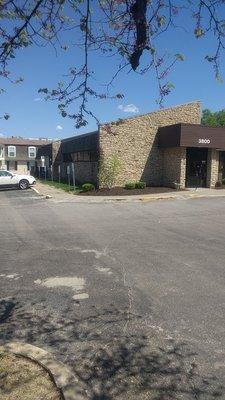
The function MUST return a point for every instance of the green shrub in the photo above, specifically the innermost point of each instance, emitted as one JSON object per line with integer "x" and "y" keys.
{"x": 129, "y": 185}
{"x": 87, "y": 187}
{"x": 140, "y": 185}
{"x": 109, "y": 171}
{"x": 223, "y": 181}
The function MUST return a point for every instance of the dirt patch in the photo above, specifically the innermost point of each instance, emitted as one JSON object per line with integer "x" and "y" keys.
{"x": 119, "y": 191}
{"x": 23, "y": 379}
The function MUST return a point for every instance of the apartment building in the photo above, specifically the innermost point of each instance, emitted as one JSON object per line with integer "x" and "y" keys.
{"x": 19, "y": 154}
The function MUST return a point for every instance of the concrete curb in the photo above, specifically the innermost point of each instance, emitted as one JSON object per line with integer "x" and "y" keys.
{"x": 62, "y": 376}
{"x": 144, "y": 199}
{"x": 35, "y": 190}
{"x": 47, "y": 196}
{"x": 130, "y": 199}
{"x": 147, "y": 199}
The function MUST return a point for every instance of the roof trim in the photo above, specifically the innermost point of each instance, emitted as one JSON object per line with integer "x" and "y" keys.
{"x": 82, "y": 135}
{"x": 153, "y": 112}
{"x": 23, "y": 142}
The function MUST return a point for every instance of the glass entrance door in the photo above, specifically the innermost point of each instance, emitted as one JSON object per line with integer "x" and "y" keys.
{"x": 196, "y": 167}
{"x": 221, "y": 174}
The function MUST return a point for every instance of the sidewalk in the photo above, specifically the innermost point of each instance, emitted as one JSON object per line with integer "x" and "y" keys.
{"x": 24, "y": 379}
{"x": 52, "y": 192}
{"x": 58, "y": 195}
{"x": 28, "y": 372}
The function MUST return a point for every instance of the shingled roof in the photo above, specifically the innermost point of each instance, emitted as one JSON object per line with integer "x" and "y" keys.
{"x": 16, "y": 141}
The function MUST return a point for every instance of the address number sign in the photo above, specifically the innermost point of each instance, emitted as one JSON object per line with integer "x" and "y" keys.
{"x": 204, "y": 141}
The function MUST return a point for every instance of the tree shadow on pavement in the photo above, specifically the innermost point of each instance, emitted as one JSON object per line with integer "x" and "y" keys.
{"x": 6, "y": 310}
{"x": 110, "y": 362}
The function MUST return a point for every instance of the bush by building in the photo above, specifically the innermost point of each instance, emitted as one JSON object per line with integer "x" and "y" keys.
{"x": 129, "y": 185}
{"x": 87, "y": 187}
{"x": 140, "y": 185}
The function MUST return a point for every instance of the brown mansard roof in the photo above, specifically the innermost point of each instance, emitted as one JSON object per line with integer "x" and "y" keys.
{"x": 192, "y": 135}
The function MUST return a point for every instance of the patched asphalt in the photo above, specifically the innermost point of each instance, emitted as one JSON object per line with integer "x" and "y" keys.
{"x": 131, "y": 296}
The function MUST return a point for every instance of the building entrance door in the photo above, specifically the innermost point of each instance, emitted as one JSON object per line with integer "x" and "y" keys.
{"x": 196, "y": 167}
{"x": 221, "y": 175}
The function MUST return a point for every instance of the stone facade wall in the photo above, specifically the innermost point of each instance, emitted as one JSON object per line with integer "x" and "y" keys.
{"x": 174, "y": 166}
{"x": 135, "y": 142}
{"x": 84, "y": 172}
{"x": 212, "y": 167}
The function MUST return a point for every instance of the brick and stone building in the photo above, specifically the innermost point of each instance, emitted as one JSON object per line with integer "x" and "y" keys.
{"x": 168, "y": 147}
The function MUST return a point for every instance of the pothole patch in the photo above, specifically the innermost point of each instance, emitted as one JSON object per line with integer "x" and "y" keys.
{"x": 81, "y": 296}
{"x": 75, "y": 283}
{"x": 104, "y": 270}
{"x": 10, "y": 276}
{"x": 98, "y": 254}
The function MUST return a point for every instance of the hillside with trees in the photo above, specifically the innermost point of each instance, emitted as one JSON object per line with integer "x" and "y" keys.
{"x": 211, "y": 118}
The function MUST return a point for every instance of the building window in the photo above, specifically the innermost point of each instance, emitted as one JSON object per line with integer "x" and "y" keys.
{"x": 67, "y": 157}
{"x": 11, "y": 151}
{"x": 75, "y": 157}
{"x": 32, "y": 152}
{"x": 28, "y": 165}
{"x": 15, "y": 166}
{"x": 1, "y": 152}
{"x": 8, "y": 165}
{"x": 86, "y": 156}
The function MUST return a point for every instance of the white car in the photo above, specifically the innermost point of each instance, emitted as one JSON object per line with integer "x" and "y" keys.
{"x": 9, "y": 179}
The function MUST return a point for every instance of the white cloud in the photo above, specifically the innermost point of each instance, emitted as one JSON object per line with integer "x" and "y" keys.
{"x": 59, "y": 128}
{"x": 129, "y": 108}
{"x": 38, "y": 99}
{"x": 2, "y": 135}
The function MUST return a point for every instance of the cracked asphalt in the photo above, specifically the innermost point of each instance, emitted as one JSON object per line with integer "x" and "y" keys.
{"x": 130, "y": 295}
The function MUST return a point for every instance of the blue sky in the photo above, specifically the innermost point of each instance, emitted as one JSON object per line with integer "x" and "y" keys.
{"x": 32, "y": 117}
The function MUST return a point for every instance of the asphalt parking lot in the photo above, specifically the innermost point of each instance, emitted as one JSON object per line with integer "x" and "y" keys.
{"x": 16, "y": 196}
{"x": 131, "y": 296}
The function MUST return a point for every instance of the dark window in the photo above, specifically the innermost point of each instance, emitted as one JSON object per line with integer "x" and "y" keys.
{"x": 80, "y": 156}
{"x": 15, "y": 166}
{"x": 28, "y": 165}
{"x": 67, "y": 157}
{"x": 84, "y": 156}
{"x": 8, "y": 165}
{"x": 94, "y": 156}
{"x": 75, "y": 156}
{"x": 87, "y": 156}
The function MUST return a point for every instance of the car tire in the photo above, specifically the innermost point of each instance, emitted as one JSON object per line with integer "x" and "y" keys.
{"x": 23, "y": 184}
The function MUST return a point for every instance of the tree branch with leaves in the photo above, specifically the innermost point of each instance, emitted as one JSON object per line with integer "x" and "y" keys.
{"x": 128, "y": 31}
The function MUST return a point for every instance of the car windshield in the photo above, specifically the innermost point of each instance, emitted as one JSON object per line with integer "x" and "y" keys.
{"x": 5, "y": 173}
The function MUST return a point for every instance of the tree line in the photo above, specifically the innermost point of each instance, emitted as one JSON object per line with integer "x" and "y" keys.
{"x": 211, "y": 118}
